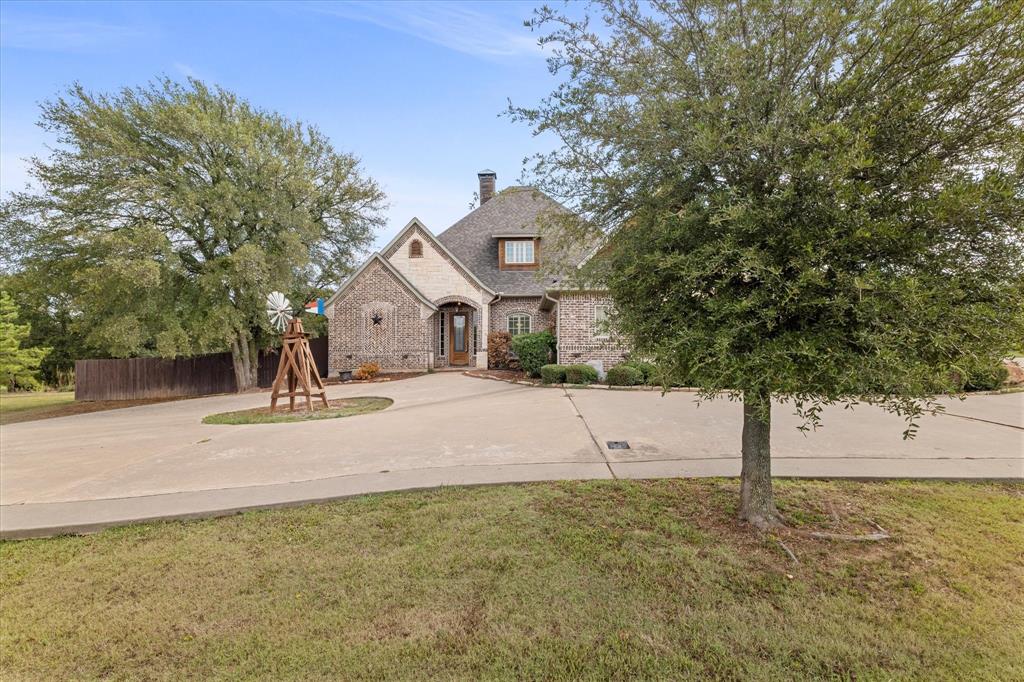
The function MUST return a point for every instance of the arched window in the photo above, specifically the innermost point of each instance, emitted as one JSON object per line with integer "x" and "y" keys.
{"x": 518, "y": 323}
{"x": 415, "y": 249}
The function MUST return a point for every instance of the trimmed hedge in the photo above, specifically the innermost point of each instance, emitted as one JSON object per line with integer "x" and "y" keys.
{"x": 580, "y": 374}
{"x": 552, "y": 374}
{"x": 625, "y": 375}
{"x": 646, "y": 369}
{"x": 533, "y": 351}
{"x": 986, "y": 378}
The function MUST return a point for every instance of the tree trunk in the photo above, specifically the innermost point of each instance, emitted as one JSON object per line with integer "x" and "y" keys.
{"x": 757, "y": 504}
{"x": 254, "y": 361}
{"x": 245, "y": 371}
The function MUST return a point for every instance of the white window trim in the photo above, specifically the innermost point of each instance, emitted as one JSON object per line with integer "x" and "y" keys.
{"x": 519, "y": 313}
{"x": 607, "y": 312}
{"x": 516, "y": 242}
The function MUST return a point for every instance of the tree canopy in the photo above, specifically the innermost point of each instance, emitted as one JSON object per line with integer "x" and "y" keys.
{"x": 816, "y": 201}
{"x": 166, "y": 214}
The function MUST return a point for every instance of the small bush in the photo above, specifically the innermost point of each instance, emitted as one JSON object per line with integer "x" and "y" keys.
{"x": 580, "y": 374}
{"x": 498, "y": 356}
{"x": 625, "y": 375}
{"x": 552, "y": 374}
{"x": 986, "y": 377}
{"x": 533, "y": 351}
{"x": 647, "y": 369}
{"x": 367, "y": 370}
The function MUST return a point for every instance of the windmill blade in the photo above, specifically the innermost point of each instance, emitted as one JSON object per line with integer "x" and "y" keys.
{"x": 280, "y": 319}
{"x": 277, "y": 301}
{"x": 278, "y": 310}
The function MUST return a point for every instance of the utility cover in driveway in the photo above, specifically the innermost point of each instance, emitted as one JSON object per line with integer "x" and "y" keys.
{"x": 618, "y": 445}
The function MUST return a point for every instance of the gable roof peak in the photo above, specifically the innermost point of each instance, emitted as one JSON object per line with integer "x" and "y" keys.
{"x": 376, "y": 257}
{"x": 417, "y": 224}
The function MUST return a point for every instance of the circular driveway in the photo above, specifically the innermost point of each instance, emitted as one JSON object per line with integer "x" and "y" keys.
{"x": 86, "y": 471}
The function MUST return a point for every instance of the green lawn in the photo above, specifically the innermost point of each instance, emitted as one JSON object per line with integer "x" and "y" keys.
{"x": 592, "y": 580}
{"x": 21, "y": 405}
{"x": 347, "y": 407}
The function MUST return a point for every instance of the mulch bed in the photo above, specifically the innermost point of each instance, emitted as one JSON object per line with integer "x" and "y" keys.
{"x": 516, "y": 375}
{"x": 379, "y": 379}
{"x": 520, "y": 377}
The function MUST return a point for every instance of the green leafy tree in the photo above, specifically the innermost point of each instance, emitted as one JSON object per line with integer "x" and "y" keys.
{"x": 19, "y": 367}
{"x": 51, "y": 315}
{"x": 167, "y": 213}
{"x": 810, "y": 201}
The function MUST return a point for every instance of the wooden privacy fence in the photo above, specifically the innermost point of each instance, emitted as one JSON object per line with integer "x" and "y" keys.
{"x": 136, "y": 378}
{"x": 269, "y": 359}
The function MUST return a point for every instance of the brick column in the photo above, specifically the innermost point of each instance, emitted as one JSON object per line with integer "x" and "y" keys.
{"x": 485, "y": 324}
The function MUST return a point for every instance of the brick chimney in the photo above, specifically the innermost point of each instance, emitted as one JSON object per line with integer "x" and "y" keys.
{"x": 487, "y": 179}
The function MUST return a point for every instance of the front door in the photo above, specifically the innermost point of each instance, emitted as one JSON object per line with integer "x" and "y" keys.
{"x": 459, "y": 353}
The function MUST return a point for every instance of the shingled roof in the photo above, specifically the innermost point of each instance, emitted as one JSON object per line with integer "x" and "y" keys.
{"x": 513, "y": 212}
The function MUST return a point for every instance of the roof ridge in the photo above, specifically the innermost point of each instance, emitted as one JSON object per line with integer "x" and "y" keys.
{"x": 506, "y": 190}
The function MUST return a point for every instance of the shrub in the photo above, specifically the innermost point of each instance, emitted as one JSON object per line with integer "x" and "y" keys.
{"x": 533, "y": 351}
{"x": 367, "y": 370}
{"x": 986, "y": 377}
{"x": 625, "y": 375}
{"x": 580, "y": 374}
{"x": 552, "y": 374}
{"x": 647, "y": 370}
{"x": 498, "y": 356}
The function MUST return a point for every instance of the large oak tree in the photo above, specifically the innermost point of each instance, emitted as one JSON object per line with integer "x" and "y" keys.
{"x": 803, "y": 200}
{"x": 166, "y": 213}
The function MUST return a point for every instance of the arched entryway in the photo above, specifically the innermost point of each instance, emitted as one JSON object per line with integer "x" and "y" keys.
{"x": 456, "y": 333}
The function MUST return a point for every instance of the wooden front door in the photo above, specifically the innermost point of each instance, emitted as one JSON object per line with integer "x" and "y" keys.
{"x": 458, "y": 353}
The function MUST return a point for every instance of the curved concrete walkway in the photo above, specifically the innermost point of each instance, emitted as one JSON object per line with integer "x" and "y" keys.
{"x": 84, "y": 472}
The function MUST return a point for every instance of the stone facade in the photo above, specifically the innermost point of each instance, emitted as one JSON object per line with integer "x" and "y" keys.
{"x": 434, "y": 273}
{"x": 579, "y": 338}
{"x": 380, "y": 320}
{"x": 540, "y": 320}
{"x": 441, "y": 279}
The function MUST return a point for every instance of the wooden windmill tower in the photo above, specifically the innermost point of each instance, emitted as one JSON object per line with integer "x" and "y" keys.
{"x": 296, "y": 372}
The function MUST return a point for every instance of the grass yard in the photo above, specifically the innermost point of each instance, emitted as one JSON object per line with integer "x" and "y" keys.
{"x": 609, "y": 579}
{"x": 15, "y": 407}
{"x": 27, "y": 407}
{"x": 347, "y": 407}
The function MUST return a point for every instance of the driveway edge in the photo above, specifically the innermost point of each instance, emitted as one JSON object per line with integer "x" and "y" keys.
{"x": 46, "y": 519}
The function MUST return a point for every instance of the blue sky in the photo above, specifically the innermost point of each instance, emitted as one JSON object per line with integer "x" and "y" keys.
{"x": 414, "y": 89}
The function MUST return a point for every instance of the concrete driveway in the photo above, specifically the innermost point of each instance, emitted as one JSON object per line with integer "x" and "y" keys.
{"x": 82, "y": 472}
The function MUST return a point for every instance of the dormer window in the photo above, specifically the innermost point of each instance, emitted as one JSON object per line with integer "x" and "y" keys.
{"x": 415, "y": 249}
{"x": 519, "y": 252}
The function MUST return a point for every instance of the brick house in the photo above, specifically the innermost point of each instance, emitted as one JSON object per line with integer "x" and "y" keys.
{"x": 430, "y": 300}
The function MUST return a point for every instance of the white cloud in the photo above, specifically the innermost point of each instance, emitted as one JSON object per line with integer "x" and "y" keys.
{"x": 455, "y": 25}
{"x": 185, "y": 70}
{"x": 188, "y": 71}
{"x": 64, "y": 35}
